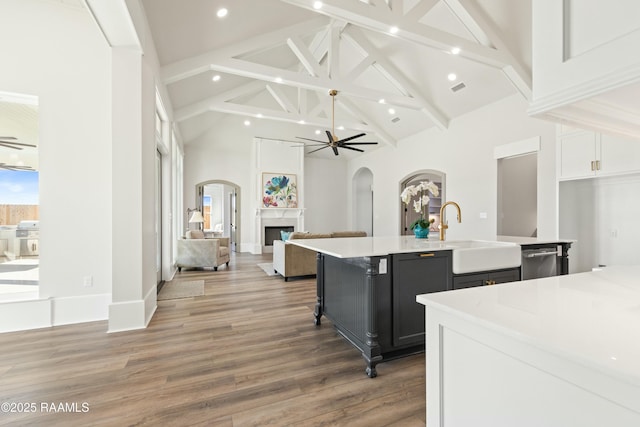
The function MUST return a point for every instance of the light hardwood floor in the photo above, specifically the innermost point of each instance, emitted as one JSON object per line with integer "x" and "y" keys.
{"x": 245, "y": 354}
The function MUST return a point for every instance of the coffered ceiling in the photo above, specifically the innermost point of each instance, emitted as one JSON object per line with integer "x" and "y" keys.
{"x": 278, "y": 59}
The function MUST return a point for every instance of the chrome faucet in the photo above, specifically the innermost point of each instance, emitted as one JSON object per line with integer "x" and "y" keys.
{"x": 443, "y": 226}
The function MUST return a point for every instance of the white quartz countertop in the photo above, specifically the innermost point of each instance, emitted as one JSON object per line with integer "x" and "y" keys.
{"x": 592, "y": 318}
{"x": 523, "y": 241}
{"x": 354, "y": 247}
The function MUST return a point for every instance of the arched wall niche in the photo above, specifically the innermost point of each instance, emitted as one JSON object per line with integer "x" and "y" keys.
{"x": 407, "y": 214}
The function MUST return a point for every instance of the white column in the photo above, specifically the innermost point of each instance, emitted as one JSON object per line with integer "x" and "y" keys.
{"x": 133, "y": 194}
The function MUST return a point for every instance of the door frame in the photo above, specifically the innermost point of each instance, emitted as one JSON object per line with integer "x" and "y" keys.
{"x": 238, "y": 191}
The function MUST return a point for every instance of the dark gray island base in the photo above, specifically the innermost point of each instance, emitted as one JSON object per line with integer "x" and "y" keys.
{"x": 371, "y": 300}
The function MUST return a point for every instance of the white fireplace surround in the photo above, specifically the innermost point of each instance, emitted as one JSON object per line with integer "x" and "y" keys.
{"x": 277, "y": 217}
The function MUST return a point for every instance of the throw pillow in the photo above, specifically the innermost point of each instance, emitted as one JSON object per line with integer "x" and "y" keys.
{"x": 284, "y": 235}
{"x": 195, "y": 234}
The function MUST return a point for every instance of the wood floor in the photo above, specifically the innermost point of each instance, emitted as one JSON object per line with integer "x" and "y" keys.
{"x": 244, "y": 354}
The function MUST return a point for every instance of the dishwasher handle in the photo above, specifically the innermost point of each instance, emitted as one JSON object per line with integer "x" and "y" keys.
{"x": 540, "y": 254}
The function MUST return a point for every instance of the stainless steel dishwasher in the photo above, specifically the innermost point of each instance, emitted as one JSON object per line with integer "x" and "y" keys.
{"x": 540, "y": 262}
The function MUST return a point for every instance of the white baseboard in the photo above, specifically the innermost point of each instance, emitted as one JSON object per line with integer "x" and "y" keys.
{"x": 80, "y": 309}
{"x": 132, "y": 315}
{"x": 26, "y": 314}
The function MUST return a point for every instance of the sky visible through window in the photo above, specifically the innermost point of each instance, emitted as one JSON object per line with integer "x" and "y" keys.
{"x": 18, "y": 187}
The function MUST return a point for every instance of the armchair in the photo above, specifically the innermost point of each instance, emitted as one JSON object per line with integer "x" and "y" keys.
{"x": 196, "y": 251}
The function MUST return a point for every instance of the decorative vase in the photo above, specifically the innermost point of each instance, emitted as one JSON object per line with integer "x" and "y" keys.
{"x": 421, "y": 233}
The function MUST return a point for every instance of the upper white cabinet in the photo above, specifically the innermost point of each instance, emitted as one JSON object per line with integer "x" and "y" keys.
{"x": 585, "y": 154}
{"x": 586, "y": 70}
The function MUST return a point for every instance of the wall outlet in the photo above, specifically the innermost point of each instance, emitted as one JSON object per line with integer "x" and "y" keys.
{"x": 382, "y": 266}
{"x": 87, "y": 281}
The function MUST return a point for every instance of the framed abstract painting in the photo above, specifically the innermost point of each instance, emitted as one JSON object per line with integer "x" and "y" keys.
{"x": 279, "y": 190}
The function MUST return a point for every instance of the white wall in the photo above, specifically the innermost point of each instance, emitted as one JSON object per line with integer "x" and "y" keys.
{"x": 97, "y": 164}
{"x": 326, "y": 195}
{"x": 465, "y": 153}
{"x": 56, "y": 53}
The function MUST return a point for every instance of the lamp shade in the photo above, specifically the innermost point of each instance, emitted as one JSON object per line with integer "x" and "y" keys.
{"x": 196, "y": 216}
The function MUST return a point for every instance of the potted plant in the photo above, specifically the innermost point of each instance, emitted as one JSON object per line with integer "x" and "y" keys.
{"x": 420, "y": 192}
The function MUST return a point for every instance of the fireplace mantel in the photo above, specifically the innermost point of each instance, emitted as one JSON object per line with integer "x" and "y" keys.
{"x": 270, "y": 217}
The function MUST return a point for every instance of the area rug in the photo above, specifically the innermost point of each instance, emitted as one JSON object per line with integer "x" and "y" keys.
{"x": 267, "y": 267}
{"x": 177, "y": 290}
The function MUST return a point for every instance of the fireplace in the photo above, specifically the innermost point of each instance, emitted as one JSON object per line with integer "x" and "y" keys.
{"x": 269, "y": 223}
{"x": 273, "y": 233}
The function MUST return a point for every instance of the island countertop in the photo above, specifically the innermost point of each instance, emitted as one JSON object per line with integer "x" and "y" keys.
{"x": 592, "y": 318}
{"x": 524, "y": 241}
{"x": 354, "y": 247}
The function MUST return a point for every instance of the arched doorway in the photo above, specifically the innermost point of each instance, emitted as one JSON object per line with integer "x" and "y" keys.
{"x": 408, "y": 215}
{"x": 363, "y": 200}
{"x": 219, "y": 202}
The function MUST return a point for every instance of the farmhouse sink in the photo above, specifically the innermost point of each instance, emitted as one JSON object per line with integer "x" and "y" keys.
{"x": 476, "y": 255}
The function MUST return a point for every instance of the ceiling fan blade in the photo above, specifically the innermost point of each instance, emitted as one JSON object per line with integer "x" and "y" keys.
{"x": 3, "y": 144}
{"x": 15, "y": 167}
{"x": 13, "y": 138}
{"x": 280, "y": 139}
{"x": 335, "y": 150}
{"x": 359, "y": 143}
{"x": 18, "y": 143}
{"x": 318, "y": 149}
{"x": 331, "y": 141}
{"x": 351, "y": 137}
{"x": 351, "y": 148}
{"x": 309, "y": 139}
{"x": 324, "y": 144}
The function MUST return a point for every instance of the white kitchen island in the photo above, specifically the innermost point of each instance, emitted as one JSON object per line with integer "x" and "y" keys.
{"x": 559, "y": 351}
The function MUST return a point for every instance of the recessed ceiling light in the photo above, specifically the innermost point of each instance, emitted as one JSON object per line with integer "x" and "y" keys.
{"x": 278, "y": 80}
{"x": 455, "y": 50}
{"x": 317, "y": 131}
{"x": 381, "y": 101}
{"x": 222, "y": 12}
{"x": 247, "y": 123}
{"x": 216, "y": 78}
{"x": 301, "y": 122}
{"x": 392, "y": 111}
{"x": 317, "y": 5}
{"x": 452, "y": 77}
{"x": 259, "y": 115}
{"x": 393, "y": 30}
{"x": 340, "y": 127}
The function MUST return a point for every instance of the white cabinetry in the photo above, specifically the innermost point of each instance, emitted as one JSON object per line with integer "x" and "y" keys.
{"x": 586, "y": 154}
{"x": 585, "y": 70}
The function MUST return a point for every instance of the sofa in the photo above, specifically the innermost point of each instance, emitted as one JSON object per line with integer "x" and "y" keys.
{"x": 194, "y": 251}
{"x": 293, "y": 261}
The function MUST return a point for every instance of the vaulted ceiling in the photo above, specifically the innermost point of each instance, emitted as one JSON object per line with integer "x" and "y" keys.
{"x": 390, "y": 61}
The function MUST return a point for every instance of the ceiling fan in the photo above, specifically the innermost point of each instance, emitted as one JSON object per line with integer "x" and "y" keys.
{"x": 12, "y": 142}
{"x": 333, "y": 141}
